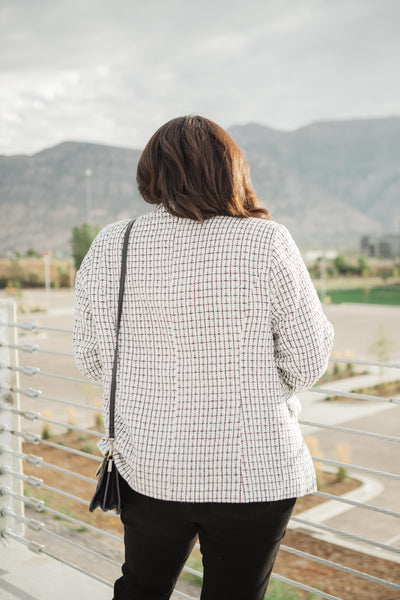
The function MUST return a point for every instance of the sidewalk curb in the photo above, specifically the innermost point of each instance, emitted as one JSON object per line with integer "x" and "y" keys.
{"x": 369, "y": 489}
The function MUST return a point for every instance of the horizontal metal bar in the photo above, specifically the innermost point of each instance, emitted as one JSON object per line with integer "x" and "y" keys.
{"x": 34, "y": 503}
{"x": 350, "y": 536}
{"x": 69, "y": 473}
{"x": 39, "y": 506}
{"x": 32, "y": 326}
{"x": 30, "y": 348}
{"x": 77, "y": 568}
{"x": 56, "y": 353}
{"x": 41, "y": 550}
{"x": 302, "y": 586}
{"x": 73, "y": 379}
{"x": 37, "y": 526}
{"x": 356, "y": 361}
{"x": 31, "y": 437}
{"x": 368, "y": 397}
{"x": 338, "y": 567}
{"x": 71, "y": 450}
{"x": 49, "y": 488}
{"x": 348, "y": 466}
{"x": 73, "y": 427}
{"x": 36, "y": 371}
{"x": 378, "y": 509}
{"x": 80, "y": 547}
{"x": 55, "y": 329}
{"x": 183, "y": 595}
{"x": 42, "y": 463}
{"x": 30, "y": 371}
{"x": 379, "y": 436}
{"x": 26, "y": 325}
{"x": 32, "y": 416}
{"x": 33, "y": 546}
{"x": 35, "y": 438}
{"x": 39, "y": 484}
{"x": 30, "y": 392}
{"x": 75, "y": 404}
{"x": 87, "y": 525}
{"x": 34, "y": 348}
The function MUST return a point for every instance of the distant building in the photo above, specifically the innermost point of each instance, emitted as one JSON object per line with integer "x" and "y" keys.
{"x": 385, "y": 246}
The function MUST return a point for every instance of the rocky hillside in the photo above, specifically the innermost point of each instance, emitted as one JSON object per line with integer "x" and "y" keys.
{"x": 328, "y": 182}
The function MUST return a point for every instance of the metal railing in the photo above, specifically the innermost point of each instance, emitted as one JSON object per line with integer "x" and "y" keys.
{"x": 16, "y": 419}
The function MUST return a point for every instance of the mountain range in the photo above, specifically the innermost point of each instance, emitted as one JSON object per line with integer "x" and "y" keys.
{"x": 328, "y": 182}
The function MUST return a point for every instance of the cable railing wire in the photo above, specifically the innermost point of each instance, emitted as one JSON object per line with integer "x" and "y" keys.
{"x": 35, "y": 438}
{"x": 37, "y": 483}
{"x": 38, "y": 526}
{"x": 36, "y": 372}
{"x": 368, "y": 397}
{"x": 40, "y": 506}
{"x": 302, "y": 586}
{"x": 40, "y": 549}
{"x": 358, "y": 361}
{"x": 34, "y": 348}
{"x": 33, "y": 327}
{"x": 336, "y": 463}
{"x": 345, "y": 534}
{"x": 378, "y": 509}
{"x": 34, "y": 416}
{"x": 378, "y": 436}
{"x": 37, "y": 394}
{"x": 43, "y": 463}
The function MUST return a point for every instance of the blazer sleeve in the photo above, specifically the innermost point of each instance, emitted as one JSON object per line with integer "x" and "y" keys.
{"x": 85, "y": 341}
{"x": 302, "y": 334}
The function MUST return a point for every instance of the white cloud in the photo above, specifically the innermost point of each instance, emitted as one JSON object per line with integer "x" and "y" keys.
{"x": 113, "y": 72}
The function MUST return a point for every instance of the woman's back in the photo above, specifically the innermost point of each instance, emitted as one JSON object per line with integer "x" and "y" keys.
{"x": 205, "y": 409}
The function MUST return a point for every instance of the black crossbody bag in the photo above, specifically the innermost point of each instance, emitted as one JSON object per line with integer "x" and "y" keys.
{"x": 107, "y": 495}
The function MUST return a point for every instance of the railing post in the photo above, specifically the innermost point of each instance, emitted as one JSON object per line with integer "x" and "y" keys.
{"x": 9, "y": 422}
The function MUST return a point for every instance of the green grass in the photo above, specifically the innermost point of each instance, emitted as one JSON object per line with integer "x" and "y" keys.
{"x": 282, "y": 591}
{"x": 379, "y": 295}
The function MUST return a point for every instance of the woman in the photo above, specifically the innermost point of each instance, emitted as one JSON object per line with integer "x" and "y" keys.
{"x": 221, "y": 326}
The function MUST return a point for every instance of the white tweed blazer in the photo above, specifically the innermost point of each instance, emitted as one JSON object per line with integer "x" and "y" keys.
{"x": 221, "y": 326}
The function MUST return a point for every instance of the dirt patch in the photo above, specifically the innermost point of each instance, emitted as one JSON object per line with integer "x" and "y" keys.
{"x": 347, "y": 587}
{"x": 329, "y": 579}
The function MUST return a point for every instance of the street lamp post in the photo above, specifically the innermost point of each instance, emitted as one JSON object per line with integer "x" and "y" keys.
{"x": 88, "y": 175}
{"x": 46, "y": 259}
{"x": 323, "y": 277}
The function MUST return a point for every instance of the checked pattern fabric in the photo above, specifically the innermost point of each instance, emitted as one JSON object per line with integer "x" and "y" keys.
{"x": 221, "y": 326}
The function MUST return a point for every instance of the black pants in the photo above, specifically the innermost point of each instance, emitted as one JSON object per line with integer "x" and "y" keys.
{"x": 239, "y": 543}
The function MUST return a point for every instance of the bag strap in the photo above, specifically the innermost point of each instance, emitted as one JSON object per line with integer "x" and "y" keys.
{"x": 111, "y": 431}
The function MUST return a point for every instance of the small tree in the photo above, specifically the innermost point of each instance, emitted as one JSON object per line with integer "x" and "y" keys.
{"x": 363, "y": 266}
{"x": 31, "y": 253}
{"x": 341, "y": 264}
{"x": 82, "y": 237}
{"x": 381, "y": 347}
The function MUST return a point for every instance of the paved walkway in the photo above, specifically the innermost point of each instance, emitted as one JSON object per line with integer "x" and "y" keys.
{"x": 28, "y": 576}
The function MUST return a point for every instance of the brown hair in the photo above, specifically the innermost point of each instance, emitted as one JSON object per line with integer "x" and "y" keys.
{"x": 196, "y": 170}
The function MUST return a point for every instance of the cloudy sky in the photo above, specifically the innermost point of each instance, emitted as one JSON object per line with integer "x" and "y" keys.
{"x": 112, "y": 71}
